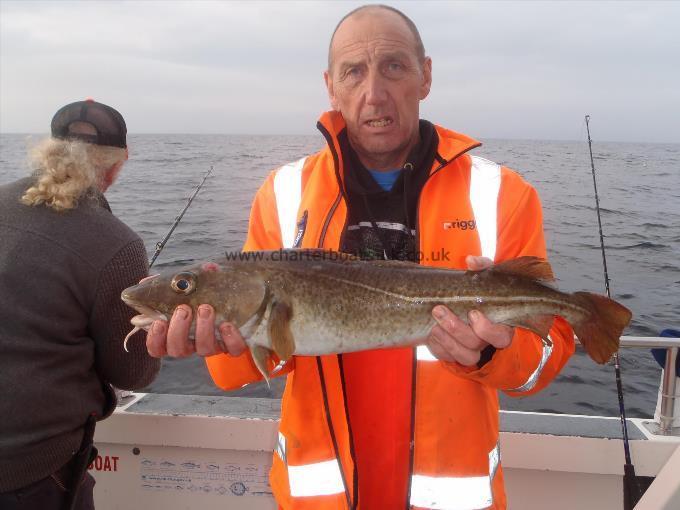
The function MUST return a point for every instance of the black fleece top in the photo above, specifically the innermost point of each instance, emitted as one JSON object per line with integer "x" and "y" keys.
{"x": 382, "y": 224}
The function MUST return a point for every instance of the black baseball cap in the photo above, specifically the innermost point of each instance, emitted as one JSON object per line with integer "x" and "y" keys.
{"x": 109, "y": 125}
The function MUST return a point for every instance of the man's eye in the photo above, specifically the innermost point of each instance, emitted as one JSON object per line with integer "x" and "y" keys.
{"x": 395, "y": 68}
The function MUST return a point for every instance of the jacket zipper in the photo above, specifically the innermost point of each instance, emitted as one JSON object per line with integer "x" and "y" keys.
{"x": 331, "y": 430}
{"x": 327, "y": 221}
{"x": 336, "y": 167}
{"x": 411, "y": 445}
{"x": 355, "y": 473}
{"x": 352, "y": 499}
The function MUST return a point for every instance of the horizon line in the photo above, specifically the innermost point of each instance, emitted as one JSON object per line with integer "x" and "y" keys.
{"x": 482, "y": 138}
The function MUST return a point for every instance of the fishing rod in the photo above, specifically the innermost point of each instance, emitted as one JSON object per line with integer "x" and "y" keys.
{"x": 631, "y": 488}
{"x": 160, "y": 245}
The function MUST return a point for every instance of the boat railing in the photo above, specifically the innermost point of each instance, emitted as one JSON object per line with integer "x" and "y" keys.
{"x": 669, "y": 385}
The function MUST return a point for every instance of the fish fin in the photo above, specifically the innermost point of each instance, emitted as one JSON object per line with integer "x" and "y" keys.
{"x": 535, "y": 268}
{"x": 280, "y": 336}
{"x": 539, "y": 324}
{"x": 250, "y": 327}
{"x": 262, "y": 358}
{"x": 600, "y": 331}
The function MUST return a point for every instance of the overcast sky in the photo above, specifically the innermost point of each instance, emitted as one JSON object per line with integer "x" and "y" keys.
{"x": 501, "y": 69}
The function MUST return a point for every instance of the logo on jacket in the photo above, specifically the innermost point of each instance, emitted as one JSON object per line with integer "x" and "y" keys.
{"x": 460, "y": 224}
{"x": 300, "y": 233}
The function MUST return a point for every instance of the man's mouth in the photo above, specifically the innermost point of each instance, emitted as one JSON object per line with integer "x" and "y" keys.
{"x": 380, "y": 122}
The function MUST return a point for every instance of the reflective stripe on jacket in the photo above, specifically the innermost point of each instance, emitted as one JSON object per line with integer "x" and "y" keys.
{"x": 468, "y": 206}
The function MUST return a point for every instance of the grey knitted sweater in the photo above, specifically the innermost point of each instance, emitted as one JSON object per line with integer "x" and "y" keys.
{"x": 62, "y": 325}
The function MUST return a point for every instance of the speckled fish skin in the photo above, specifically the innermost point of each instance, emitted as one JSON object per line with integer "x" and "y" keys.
{"x": 334, "y": 303}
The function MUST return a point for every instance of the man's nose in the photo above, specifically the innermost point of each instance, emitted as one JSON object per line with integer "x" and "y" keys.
{"x": 376, "y": 90}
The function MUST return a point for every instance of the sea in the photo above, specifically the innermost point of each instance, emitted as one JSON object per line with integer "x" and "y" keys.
{"x": 639, "y": 193}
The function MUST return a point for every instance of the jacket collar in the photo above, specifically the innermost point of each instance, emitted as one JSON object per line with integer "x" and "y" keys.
{"x": 451, "y": 143}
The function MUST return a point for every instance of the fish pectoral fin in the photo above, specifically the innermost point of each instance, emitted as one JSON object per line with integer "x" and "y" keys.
{"x": 262, "y": 358}
{"x": 280, "y": 336}
{"x": 535, "y": 268}
{"x": 539, "y": 324}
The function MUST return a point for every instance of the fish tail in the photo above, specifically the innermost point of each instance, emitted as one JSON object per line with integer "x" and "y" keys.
{"x": 599, "y": 331}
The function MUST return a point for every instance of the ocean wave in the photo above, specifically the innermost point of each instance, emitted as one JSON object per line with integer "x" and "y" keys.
{"x": 248, "y": 156}
{"x": 645, "y": 245}
{"x": 655, "y": 225}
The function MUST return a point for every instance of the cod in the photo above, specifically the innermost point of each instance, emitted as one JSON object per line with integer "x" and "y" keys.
{"x": 315, "y": 302}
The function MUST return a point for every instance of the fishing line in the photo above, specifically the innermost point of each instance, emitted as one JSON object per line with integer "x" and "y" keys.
{"x": 631, "y": 488}
{"x": 161, "y": 244}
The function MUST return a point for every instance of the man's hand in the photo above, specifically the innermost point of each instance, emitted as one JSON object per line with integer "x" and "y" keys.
{"x": 172, "y": 339}
{"x": 451, "y": 339}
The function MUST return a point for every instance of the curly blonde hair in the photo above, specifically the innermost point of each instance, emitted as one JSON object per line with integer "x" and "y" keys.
{"x": 66, "y": 170}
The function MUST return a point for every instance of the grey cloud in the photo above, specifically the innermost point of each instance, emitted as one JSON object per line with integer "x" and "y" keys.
{"x": 501, "y": 69}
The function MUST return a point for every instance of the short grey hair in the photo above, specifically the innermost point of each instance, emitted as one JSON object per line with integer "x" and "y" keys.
{"x": 420, "y": 48}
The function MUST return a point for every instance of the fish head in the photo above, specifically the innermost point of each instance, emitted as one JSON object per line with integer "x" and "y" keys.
{"x": 235, "y": 292}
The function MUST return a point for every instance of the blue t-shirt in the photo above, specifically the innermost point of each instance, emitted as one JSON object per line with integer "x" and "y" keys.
{"x": 386, "y": 179}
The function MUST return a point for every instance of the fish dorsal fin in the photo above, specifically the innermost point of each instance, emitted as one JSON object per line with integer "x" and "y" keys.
{"x": 535, "y": 268}
{"x": 280, "y": 335}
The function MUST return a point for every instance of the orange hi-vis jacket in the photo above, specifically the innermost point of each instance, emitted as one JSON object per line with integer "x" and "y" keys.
{"x": 468, "y": 206}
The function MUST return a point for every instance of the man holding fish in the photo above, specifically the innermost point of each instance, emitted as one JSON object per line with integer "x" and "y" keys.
{"x": 407, "y": 426}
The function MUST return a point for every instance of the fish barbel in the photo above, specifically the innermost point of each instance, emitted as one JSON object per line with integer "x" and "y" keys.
{"x": 315, "y": 302}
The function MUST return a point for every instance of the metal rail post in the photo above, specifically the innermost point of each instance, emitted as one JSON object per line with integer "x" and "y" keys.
{"x": 667, "y": 406}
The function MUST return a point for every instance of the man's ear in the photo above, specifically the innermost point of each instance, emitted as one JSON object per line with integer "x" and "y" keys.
{"x": 111, "y": 175}
{"x": 427, "y": 78}
{"x": 331, "y": 91}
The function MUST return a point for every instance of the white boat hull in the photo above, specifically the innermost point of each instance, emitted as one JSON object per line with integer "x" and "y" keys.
{"x": 185, "y": 452}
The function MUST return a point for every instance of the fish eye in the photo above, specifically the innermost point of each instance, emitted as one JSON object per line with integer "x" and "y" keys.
{"x": 183, "y": 283}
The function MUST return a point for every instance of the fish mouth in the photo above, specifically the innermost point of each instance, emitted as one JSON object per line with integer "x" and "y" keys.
{"x": 145, "y": 311}
{"x": 147, "y": 316}
{"x": 143, "y": 321}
